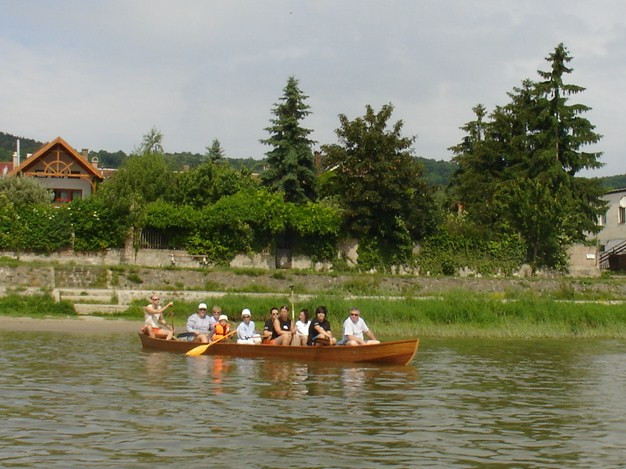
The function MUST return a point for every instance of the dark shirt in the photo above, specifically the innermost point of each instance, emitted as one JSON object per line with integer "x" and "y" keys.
{"x": 269, "y": 325}
{"x": 313, "y": 332}
{"x": 284, "y": 326}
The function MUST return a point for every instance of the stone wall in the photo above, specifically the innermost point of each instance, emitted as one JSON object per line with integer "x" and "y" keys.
{"x": 583, "y": 261}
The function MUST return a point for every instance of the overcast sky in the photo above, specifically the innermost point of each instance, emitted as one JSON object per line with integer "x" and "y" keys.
{"x": 101, "y": 73}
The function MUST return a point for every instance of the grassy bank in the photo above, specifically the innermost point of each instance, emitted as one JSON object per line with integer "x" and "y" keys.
{"x": 456, "y": 314}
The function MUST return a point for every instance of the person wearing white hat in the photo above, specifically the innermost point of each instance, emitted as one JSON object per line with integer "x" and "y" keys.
{"x": 199, "y": 325}
{"x": 221, "y": 329}
{"x": 245, "y": 331}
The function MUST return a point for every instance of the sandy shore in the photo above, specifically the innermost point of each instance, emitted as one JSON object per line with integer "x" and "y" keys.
{"x": 87, "y": 324}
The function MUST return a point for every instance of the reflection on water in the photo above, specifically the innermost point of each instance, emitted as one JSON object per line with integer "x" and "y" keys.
{"x": 72, "y": 400}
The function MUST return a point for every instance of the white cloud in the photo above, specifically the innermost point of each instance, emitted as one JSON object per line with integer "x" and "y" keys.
{"x": 101, "y": 73}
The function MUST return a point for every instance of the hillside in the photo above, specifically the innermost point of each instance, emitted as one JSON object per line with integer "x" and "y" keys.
{"x": 8, "y": 142}
{"x": 437, "y": 172}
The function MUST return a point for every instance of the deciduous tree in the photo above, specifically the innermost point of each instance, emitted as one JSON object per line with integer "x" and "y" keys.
{"x": 377, "y": 181}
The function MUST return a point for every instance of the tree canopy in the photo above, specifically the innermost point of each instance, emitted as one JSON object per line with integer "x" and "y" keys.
{"x": 215, "y": 152}
{"x": 377, "y": 181}
{"x": 290, "y": 163}
{"x": 522, "y": 161}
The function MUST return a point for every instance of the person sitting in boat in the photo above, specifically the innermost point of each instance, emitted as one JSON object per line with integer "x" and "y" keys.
{"x": 199, "y": 325}
{"x": 154, "y": 323}
{"x": 319, "y": 330}
{"x": 216, "y": 312}
{"x": 221, "y": 328}
{"x": 301, "y": 336}
{"x": 268, "y": 327}
{"x": 245, "y": 331}
{"x": 282, "y": 328}
{"x": 353, "y": 329}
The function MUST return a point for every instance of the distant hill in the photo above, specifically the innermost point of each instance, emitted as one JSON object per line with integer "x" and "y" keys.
{"x": 613, "y": 182}
{"x": 8, "y": 146}
{"x": 437, "y": 172}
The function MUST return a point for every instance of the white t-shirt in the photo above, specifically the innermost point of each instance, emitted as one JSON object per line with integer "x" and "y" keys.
{"x": 302, "y": 328}
{"x": 150, "y": 319}
{"x": 357, "y": 330}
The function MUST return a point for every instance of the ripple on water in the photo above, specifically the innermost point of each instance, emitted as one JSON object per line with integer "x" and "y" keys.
{"x": 96, "y": 400}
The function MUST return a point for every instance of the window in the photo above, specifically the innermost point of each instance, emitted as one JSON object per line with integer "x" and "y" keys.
{"x": 621, "y": 215}
{"x": 63, "y": 196}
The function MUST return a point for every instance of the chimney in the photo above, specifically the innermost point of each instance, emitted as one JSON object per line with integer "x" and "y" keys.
{"x": 16, "y": 161}
{"x": 94, "y": 161}
{"x": 85, "y": 153}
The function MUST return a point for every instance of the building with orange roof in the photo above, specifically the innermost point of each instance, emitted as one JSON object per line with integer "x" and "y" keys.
{"x": 59, "y": 167}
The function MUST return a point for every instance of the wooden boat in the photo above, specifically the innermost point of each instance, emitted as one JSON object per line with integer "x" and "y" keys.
{"x": 390, "y": 353}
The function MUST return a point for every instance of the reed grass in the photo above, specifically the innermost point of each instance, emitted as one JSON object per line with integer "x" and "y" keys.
{"x": 39, "y": 306}
{"x": 456, "y": 314}
{"x": 459, "y": 314}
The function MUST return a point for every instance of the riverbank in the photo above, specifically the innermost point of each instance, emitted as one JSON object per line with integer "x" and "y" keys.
{"x": 394, "y": 306}
{"x": 461, "y": 314}
{"x": 79, "y": 325}
{"x": 50, "y": 276}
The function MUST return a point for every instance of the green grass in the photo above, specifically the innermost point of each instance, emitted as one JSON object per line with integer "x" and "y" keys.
{"x": 37, "y": 306}
{"x": 453, "y": 315}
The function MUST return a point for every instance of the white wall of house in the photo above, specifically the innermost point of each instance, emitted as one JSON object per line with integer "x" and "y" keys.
{"x": 614, "y": 222}
{"x": 65, "y": 183}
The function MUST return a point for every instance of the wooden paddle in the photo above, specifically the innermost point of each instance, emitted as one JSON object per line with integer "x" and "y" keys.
{"x": 199, "y": 350}
{"x": 293, "y": 311}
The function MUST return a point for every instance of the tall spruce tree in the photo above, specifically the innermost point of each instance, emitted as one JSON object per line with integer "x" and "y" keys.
{"x": 215, "y": 152}
{"x": 479, "y": 168}
{"x": 291, "y": 167}
{"x": 539, "y": 136}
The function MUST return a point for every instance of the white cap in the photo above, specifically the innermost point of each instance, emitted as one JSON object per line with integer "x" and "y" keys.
{"x": 223, "y": 317}
{"x": 246, "y": 312}
{"x": 202, "y": 306}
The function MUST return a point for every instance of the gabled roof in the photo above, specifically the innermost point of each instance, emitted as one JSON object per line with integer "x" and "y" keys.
{"x": 44, "y": 149}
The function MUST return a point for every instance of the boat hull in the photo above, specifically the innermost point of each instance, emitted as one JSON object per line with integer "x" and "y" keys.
{"x": 391, "y": 353}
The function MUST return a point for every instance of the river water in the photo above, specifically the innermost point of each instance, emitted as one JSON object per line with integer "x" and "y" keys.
{"x": 70, "y": 400}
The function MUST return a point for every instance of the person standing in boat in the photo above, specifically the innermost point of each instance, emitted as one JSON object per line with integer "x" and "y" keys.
{"x": 301, "y": 336}
{"x": 245, "y": 331}
{"x": 199, "y": 325}
{"x": 268, "y": 327}
{"x": 221, "y": 329}
{"x": 154, "y": 323}
{"x": 319, "y": 330}
{"x": 353, "y": 329}
{"x": 282, "y": 328}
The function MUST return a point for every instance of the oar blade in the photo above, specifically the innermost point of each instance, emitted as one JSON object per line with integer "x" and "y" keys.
{"x": 199, "y": 350}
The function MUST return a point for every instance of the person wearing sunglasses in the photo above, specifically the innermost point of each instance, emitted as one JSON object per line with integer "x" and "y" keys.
{"x": 283, "y": 328}
{"x": 268, "y": 327}
{"x": 353, "y": 329}
{"x": 199, "y": 325}
{"x": 154, "y": 322}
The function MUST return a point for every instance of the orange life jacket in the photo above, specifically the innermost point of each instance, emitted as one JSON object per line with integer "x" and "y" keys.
{"x": 220, "y": 331}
